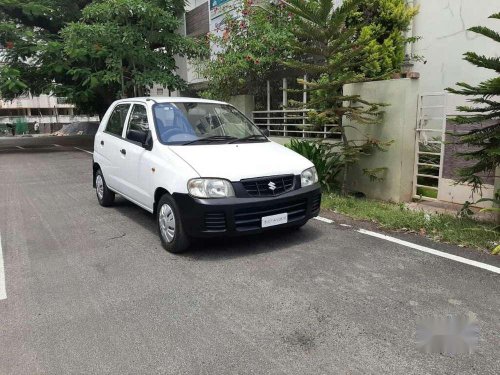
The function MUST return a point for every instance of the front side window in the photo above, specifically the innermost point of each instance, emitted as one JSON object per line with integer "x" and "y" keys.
{"x": 117, "y": 119}
{"x": 138, "y": 125}
{"x": 203, "y": 123}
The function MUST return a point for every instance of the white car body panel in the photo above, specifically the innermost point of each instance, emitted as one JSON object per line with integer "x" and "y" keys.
{"x": 242, "y": 160}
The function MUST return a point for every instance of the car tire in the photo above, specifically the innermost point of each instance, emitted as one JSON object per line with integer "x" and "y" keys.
{"x": 172, "y": 235}
{"x": 105, "y": 196}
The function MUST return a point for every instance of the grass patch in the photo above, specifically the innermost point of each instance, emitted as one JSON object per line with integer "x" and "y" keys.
{"x": 427, "y": 192}
{"x": 441, "y": 227}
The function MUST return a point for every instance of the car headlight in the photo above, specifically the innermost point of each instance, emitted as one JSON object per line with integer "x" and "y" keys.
{"x": 308, "y": 177}
{"x": 210, "y": 188}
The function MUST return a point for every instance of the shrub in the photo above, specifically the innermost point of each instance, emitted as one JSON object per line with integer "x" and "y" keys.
{"x": 328, "y": 162}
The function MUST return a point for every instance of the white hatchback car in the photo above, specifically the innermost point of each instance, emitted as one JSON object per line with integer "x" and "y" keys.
{"x": 202, "y": 168}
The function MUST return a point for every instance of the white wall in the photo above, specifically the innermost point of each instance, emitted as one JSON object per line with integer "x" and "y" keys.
{"x": 28, "y": 101}
{"x": 442, "y": 25}
{"x": 191, "y": 4}
{"x": 398, "y": 125}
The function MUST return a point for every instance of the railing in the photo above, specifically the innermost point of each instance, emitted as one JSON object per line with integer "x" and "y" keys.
{"x": 429, "y": 147}
{"x": 60, "y": 100}
{"x": 43, "y": 101}
{"x": 293, "y": 123}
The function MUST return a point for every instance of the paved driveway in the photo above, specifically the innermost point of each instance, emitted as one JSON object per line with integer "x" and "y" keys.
{"x": 90, "y": 290}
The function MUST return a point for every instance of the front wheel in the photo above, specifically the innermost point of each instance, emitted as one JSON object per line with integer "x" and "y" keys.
{"x": 172, "y": 235}
{"x": 105, "y": 196}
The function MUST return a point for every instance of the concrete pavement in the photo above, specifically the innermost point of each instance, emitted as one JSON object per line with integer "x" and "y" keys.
{"x": 90, "y": 290}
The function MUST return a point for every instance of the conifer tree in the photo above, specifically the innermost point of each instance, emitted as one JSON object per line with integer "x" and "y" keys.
{"x": 330, "y": 53}
{"x": 483, "y": 140}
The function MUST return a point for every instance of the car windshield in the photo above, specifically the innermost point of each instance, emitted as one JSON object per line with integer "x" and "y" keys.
{"x": 203, "y": 123}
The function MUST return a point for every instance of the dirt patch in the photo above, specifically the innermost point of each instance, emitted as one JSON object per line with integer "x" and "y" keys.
{"x": 78, "y": 128}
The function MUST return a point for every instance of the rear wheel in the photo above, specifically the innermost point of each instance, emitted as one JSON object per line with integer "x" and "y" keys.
{"x": 105, "y": 196}
{"x": 172, "y": 235}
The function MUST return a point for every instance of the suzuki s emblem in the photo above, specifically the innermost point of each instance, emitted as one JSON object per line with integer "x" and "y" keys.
{"x": 272, "y": 186}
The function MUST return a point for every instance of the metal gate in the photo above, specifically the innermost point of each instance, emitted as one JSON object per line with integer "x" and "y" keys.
{"x": 429, "y": 145}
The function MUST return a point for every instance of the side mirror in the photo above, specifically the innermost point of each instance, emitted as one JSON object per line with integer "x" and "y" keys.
{"x": 266, "y": 132}
{"x": 148, "y": 142}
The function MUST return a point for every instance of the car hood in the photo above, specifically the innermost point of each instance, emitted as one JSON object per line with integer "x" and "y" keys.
{"x": 242, "y": 160}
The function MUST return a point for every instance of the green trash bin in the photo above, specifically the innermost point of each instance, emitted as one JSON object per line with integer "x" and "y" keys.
{"x": 21, "y": 126}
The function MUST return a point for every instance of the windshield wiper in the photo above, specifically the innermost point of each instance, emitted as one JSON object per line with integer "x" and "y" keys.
{"x": 250, "y": 137}
{"x": 212, "y": 138}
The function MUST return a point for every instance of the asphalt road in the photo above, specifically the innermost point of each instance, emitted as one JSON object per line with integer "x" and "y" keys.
{"x": 90, "y": 290}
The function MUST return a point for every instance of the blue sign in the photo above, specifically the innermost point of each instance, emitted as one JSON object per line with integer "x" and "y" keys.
{"x": 217, "y": 3}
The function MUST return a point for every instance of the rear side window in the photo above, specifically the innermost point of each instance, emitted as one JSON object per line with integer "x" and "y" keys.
{"x": 117, "y": 119}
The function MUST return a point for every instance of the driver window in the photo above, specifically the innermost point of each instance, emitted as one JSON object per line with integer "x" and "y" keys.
{"x": 138, "y": 126}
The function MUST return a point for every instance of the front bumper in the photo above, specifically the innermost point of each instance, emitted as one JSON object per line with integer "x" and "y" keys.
{"x": 238, "y": 216}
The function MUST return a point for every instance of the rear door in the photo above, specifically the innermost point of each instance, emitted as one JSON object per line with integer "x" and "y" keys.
{"x": 110, "y": 144}
{"x": 137, "y": 177}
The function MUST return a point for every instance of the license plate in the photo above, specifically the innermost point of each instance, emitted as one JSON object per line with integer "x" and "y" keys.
{"x": 270, "y": 221}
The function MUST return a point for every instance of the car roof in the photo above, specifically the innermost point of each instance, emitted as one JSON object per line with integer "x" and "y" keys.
{"x": 170, "y": 99}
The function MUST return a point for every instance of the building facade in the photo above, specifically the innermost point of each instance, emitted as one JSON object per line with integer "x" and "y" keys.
{"x": 49, "y": 112}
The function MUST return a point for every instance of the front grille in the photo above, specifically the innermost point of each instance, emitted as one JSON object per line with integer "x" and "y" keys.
{"x": 268, "y": 186}
{"x": 250, "y": 218}
{"x": 316, "y": 203}
{"x": 215, "y": 222}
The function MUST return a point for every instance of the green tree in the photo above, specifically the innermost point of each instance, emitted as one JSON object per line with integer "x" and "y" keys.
{"x": 330, "y": 52}
{"x": 382, "y": 25}
{"x": 91, "y": 52}
{"x": 251, "y": 45}
{"x": 255, "y": 40}
{"x": 29, "y": 32}
{"x": 483, "y": 140}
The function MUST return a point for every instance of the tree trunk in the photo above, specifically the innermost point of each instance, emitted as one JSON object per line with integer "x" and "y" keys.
{"x": 122, "y": 79}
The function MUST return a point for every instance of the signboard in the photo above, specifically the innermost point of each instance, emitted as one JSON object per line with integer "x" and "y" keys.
{"x": 218, "y": 10}
{"x": 217, "y": 3}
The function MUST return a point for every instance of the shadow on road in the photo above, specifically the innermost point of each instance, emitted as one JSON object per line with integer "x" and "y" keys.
{"x": 38, "y": 150}
{"x": 45, "y": 144}
{"x": 233, "y": 247}
{"x": 212, "y": 249}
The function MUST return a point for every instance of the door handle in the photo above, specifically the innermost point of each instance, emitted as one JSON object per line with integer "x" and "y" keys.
{"x": 123, "y": 151}
{"x": 102, "y": 143}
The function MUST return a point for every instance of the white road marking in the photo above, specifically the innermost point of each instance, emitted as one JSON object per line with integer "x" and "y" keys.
{"x": 81, "y": 149}
{"x": 19, "y": 147}
{"x": 346, "y": 225}
{"x": 432, "y": 251}
{"x": 56, "y": 145}
{"x": 323, "y": 219}
{"x": 3, "y": 292}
